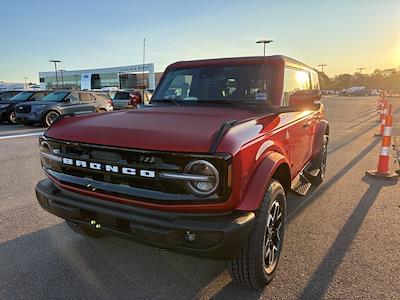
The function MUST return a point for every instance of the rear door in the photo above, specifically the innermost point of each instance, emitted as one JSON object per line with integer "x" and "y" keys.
{"x": 87, "y": 103}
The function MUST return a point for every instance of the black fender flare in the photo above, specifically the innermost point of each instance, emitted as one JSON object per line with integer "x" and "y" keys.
{"x": 261, "y": 178}
{"x": 321, "y": 130}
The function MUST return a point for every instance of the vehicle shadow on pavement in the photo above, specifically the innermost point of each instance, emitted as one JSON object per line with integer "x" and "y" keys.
{"x": 368, "y": 112}
{"x": 298, "y": 204}
{"x": 322, "y": 277}
{"x": 363, "y": 121}
{"x": 56, "y": 263}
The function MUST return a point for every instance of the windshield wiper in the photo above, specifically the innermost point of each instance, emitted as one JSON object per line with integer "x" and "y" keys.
{"x": 217, "y": 101}
{"x": 173, "y": 101}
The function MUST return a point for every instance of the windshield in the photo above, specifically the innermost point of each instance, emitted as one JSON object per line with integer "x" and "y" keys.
{"x": 21, "y": 96}
{"x": 231, "y": 83}
{"x": 55, "y": 96}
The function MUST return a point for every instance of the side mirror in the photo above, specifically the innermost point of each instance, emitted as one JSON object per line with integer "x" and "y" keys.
{"x": 304, "y": 99}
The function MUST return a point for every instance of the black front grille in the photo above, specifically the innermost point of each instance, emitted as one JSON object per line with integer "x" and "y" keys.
{"x": 23, "y": 109}
{"x": 150, "y": 188}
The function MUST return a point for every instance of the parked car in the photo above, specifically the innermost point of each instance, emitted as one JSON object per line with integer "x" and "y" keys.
{"x": 205, "y": 172}
{"x": 7, "y": 95}
{"x": 120, "y": 99}
{"x": 60, "y": 103}
{"x": 7, "y": 108}
{"x": 357, "y": 91}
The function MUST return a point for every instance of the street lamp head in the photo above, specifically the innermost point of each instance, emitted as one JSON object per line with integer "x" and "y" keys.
{"x": 264, "y": 41}
{"x": 54, "y": 61}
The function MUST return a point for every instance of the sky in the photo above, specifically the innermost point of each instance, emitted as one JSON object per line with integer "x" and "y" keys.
{"x": 345, "y": 35}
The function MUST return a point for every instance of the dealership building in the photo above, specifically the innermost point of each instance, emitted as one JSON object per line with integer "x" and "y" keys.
{"x": 126, "y": 77}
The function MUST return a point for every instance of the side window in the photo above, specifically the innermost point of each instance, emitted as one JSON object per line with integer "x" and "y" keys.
{"x": 73, "y": 98}
{"x": 85, "y": 97}
{"x": 38, "y": 96}
{"x": 294, "y": 80}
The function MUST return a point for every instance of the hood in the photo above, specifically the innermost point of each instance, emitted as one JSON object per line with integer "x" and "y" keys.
{"x": 171, "y": 128}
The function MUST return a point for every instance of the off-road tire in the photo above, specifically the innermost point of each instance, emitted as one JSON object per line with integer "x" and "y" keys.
{"x": 85, "y": 230}
{"x": 248, "y": 268}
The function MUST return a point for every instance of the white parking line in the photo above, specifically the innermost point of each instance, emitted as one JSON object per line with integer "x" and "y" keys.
{"x": 20, "y": 135}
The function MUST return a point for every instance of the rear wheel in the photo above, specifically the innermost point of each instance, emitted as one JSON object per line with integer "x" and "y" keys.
{"x": 85, "y": 230}
{"x": 256, "y": 263}
{"x": 50, "y": 117}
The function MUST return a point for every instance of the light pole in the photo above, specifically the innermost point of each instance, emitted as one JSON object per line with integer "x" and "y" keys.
{"x": 359, "y": 70}
{"x": 62, "y": 77}
{"x": 361, "y": 77}
{"x": 322, "y": 67}
{"x": 264, "y": 42}
{"x": 25, "y": 86}
{"x": 55, "y": 61}
{"x": 144, "y": 57}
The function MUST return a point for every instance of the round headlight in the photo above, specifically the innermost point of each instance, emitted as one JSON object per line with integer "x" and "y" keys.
{"x": 211, "y": 178}
{"x": 45, "y": 147}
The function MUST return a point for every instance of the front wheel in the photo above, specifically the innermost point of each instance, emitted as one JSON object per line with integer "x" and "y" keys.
{"x": 12, "y": 118}
{"x": 50, "y": 117}
{"x": 256, "y": 263}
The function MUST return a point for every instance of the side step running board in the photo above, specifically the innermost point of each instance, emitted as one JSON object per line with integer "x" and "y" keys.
{"x": 302, "y": 186}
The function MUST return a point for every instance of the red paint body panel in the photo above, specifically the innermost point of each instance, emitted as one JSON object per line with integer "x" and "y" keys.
{"x": 170, "y": 128}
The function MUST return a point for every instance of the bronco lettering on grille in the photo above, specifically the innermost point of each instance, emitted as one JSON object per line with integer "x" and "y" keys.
{"x": 108, "y": 168}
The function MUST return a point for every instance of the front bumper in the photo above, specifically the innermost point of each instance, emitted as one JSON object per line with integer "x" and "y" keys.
{"x": 218, "y": 236}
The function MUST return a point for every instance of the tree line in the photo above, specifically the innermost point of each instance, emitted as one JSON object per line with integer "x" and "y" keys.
{"x": 388, "y": 80}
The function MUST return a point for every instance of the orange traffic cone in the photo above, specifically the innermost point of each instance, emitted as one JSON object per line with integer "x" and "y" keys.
{"x": 383, "y": 114}
{"x": 380, "y": 100}
{"x": 384, "y": 156}
{"x": 385, "y": 105}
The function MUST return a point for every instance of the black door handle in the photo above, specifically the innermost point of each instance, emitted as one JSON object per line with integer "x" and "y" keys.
{"x": 306, "y": 125}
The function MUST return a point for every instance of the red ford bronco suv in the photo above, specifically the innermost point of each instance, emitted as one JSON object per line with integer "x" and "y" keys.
{"x": 203, "y": 170}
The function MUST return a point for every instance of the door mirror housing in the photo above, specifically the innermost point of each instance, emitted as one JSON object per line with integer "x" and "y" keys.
{"x": 304, "y": 99}
{"x": 70, "y": 99}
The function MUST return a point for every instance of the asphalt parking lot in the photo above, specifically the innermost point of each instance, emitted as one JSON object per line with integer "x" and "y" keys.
{"x": 342, "y": 240}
